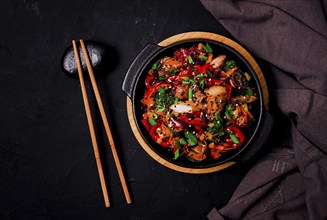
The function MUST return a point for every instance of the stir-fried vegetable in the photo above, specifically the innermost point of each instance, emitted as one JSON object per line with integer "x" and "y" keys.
{"x": 197, "y": 104}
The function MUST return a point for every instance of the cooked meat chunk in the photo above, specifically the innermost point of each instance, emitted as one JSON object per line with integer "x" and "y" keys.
{"x": 198, "y": 95}
{"x": 218, "y": 61}
{"x": 182, "y": 107}
{"x": 169, "y": 63}
{"x": 244, "y": 99}
{"x": 186, "y": 107}
{"x": 216, "y": 99}
{"x": 181, "y": 92}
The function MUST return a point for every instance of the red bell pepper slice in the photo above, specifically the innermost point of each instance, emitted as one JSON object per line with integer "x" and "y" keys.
{"x": 148, "y": 82}
{"x": 148, "y": 93}
{"x": 175, "y": 80}
{"x": 206, "y": 67}
{"x": 178, "y": 79}
{"x": 197, "y": 123}
{"x": 198, "y": 70}
{"x": 213, "y": 82}
{"x": 237, "y": 132}
{"x": 186, "y": 72}
{"x": 178, "y": 55}
{"x": 155, "y": 136}
{"x": 146, "y": 124}
{"x": 229, "y": 91}
{"x": 202, "y": 69}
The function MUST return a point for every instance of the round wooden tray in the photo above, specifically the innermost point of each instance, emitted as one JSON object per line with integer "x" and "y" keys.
{"x": 193, "y": 36}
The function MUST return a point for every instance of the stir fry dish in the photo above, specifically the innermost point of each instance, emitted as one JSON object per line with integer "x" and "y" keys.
{"x": 197, "y": 104}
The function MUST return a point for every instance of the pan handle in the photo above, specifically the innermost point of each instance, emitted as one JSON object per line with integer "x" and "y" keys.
{"x": 135, "y": 68}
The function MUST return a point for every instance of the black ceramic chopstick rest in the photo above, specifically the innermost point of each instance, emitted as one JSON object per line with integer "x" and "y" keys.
{"x": 102, "y": 57}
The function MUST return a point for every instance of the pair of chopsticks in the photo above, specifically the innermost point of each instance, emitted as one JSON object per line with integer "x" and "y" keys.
{"x": 105, "y": 122}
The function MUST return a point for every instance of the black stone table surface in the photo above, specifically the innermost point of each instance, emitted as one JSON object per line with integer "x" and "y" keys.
{"x": 47, "y": 165}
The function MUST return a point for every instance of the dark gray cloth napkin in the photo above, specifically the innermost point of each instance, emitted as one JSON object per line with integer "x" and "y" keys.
{"x": 290, "y": 180}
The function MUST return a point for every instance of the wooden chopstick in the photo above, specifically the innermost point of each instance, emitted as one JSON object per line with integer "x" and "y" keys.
{"x": 91, "y": 126}
{"x": 105, "y": 122}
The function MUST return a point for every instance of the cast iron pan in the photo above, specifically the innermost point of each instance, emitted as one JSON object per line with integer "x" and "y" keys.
{"x": 134, "y": 87}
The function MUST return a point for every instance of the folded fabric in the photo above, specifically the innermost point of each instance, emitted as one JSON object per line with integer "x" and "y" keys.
{"x": 290, "y": 180}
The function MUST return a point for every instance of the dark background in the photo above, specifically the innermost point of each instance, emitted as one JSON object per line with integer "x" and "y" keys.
{"x": 47, "y": 166}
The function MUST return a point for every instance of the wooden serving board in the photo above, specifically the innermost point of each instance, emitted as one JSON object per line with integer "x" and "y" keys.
{"x": 194, "y": 36}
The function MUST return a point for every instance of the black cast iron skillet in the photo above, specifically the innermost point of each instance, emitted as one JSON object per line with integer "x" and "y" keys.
{"x": 134, "y": 87}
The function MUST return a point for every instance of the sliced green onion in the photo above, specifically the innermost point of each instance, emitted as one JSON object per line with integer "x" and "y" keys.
{"x": 199, "y": 75}
{"x": 176, "y": 154}
{"x": 155, "y": 66}
{"x": 154, "y": 115}
{"x": 182, "y": 141}
{"x": 190, "y": 60}
{"x": 234, "y": 138}
{"x": 162, "y": 77}
{"x": 186, "y": 80}
{"x": 218, "y": 117}
{"x": 193, "y": 81}
{"x": 152, "y": 122}
{"x": 249, "y": 91}
{"x": 161, "y": 109}
{"x": 190, "y": 93}
{"x": 207, "y": 48}
{"x": 178, "y": 145}
{"x": 176, "y": 100}
{"x": 172, "y": 72}
{"x": 202, "y": 84}
{"x": 162, "y": 91}
{"x": 203, "y": 57}
{"x": 191, "y": 138}
{"x": 227, "y": 115}
{"x": 209, "y": 74}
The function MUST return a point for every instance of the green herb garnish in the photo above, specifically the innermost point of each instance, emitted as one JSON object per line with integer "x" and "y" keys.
{"x": 203, "y": 57}
{"x": 163, "y": 99}
{"x": 191, "y": 138}
{"x": 202, "y": 83}
{"x": 249, "y": 91}
{"x": 152, "y": 122}
{"x": 207, "y": 48}
{"x": 190, "y": 93}
{"x": 155, "y": 66}
{"x": 162, "y": 77}
{"x": 209, "y": 74}
{"x": 234, "y": 138}
{"x": 190, "y": 60}
{"x": 230, "y": 64}
{"x": 186, "y": 80}
{"x": 174, "y": 71}
{"x": 182, "y": 141}
{"x": 176, "y": 154}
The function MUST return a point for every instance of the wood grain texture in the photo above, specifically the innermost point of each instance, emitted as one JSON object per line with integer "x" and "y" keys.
{"x": 194, "y": 36}
{"x": 106, "y": 123}
{"x": 91, "y": 127}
